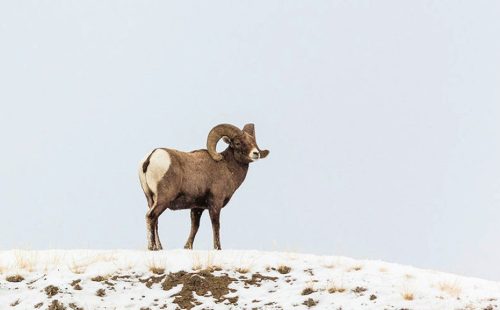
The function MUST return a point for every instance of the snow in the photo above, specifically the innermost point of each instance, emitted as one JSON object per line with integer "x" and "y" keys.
{"x": 363, "y": 284}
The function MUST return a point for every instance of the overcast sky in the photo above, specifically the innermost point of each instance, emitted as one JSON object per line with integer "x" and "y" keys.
{"x": 382, "y": 118}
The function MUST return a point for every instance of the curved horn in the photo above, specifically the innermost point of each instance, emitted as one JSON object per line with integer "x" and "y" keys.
{"x": 216, "y": 134}
{"x": 250, "y": 129}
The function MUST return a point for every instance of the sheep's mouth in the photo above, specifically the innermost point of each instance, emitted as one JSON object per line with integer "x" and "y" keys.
{"x": 254, "y": 155}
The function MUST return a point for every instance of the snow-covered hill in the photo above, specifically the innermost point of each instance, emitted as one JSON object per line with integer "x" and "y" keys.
{"x": 180, "y": 279}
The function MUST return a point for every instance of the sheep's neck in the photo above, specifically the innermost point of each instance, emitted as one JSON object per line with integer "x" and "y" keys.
{"x": 239, "y": 169}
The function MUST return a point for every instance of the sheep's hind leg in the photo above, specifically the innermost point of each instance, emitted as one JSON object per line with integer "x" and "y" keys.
{"x": 195, "y": 224}
{"x": 151, "y": 223}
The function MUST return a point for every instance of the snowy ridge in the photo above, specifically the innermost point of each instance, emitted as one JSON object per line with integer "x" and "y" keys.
{"x": 182, "y": 279}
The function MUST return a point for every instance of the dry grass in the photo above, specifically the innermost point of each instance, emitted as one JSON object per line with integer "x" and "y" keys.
{"x": 283, "y": 269}
{"x": 105, "y": 257}
{"x": 451, "y": 288}
{"x": 197, "y": 265}
{"x": 329, "y": 265}
{"x": 332, "y": 288}
{"x": 52, "y": 261}
{"x": 407, "y": 295}
{"x": 77, "y": 267}
{"x": 242, "y": 269}
{"x": 382, "y": 269}
{"x": 208, "y": 263}
{"x": 355, "y": 268}
{"x": 156, "y": 265}
{"x": 26, "y": 260}
{"x": 309, "y": 289}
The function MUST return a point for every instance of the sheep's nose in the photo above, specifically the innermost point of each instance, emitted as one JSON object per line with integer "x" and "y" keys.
{"x": 255, "y": 154}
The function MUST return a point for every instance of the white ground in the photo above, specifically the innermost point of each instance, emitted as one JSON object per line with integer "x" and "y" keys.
{"x": 387, "y": 285}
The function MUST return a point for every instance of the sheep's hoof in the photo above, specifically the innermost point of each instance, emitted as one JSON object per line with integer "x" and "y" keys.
{"x": 188, "y": 246}
{"x": 155, "y": 248}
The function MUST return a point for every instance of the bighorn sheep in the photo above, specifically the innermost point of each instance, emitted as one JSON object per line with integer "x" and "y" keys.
{"x": 198, "y": 180}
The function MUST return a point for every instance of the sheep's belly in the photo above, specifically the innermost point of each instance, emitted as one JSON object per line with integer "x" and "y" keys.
{"x": 188, "y": 202}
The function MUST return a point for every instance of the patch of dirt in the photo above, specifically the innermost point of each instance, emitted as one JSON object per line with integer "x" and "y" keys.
{"x": 203, "y": 283}
{"x": 257, "y": 278}
{"x": 309, "y": 271}
{"x": 359, "y": 290}
{"x": 56, "y": 305}
{"x": 74, "y": 306}
{"x": 310, "y": 302}
{"x": 125, "y": 277}
{"x": 39, "y": 305}
{"x": 373, "y": 297}
{"x": 16, "y": 278}
{"x": 99, "y": 279}
{"x": 100, "y": 292}
{"x": 51, "y": 290}
{"x": 15, "y": 303}
{"x": 152, "y": 280}
{"x": 76, "y": 284}
{"x": 33, "y": 281}
{"x": 308, "y": 291}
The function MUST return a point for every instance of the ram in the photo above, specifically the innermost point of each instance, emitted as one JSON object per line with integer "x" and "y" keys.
{"x": 198, "y": 180}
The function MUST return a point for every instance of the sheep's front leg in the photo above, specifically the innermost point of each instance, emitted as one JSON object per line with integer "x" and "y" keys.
{"x": 195, "y": 224}
{"x": 214, "y": 217}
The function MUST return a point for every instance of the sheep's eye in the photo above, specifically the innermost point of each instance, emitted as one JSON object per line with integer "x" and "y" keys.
{"x": 237, "y": 144}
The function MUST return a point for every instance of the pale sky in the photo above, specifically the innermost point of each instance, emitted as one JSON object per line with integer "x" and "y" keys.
{"x": 382, "y": 118}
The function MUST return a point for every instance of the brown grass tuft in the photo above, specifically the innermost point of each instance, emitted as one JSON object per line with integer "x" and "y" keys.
{"x": 242, "y": 270}
{"x": 407, "y": 295}
{"x": 156, "y": 266}
{"x": 332, "y": 288}
{"x": 205, "y": 264}
{"x": 77, "y": 268}
{"x": 26, "y": 260}
{"x": 284, "y": 269}
{"x": 309, "y": 289}
{"x": 451, "y": 288}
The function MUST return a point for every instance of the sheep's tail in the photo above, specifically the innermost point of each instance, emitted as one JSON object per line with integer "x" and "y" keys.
{"x": 143, "y": 168}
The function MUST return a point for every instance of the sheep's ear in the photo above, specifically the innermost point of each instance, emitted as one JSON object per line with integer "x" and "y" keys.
{"x": 264, "y": 153}
{"x": 226, "y": 139}
{"x": 250, "y": 129}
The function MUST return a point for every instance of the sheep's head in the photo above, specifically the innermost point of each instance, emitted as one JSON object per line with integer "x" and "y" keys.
{"x": 241, "y": 141}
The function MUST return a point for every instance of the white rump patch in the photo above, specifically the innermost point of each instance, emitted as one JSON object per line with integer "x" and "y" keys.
{"x": 159, "y": 163}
